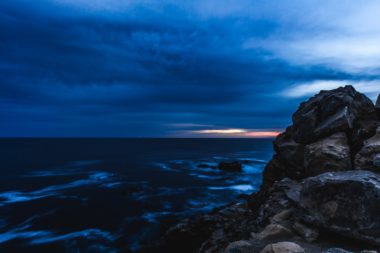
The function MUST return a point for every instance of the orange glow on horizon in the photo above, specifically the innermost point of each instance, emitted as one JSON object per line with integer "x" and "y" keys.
{"x": 263, "y": 134}
{"x": 238, "y": 133}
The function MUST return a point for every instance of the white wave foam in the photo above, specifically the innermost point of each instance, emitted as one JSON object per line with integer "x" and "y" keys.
{"x": 240, "y": 187}
{"x": 96, "y": 178}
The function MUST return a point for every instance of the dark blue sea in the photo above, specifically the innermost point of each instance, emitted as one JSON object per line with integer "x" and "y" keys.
{"x": 108, "y": 195}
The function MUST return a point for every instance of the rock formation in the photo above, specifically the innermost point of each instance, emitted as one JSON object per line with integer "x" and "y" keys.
{"x": 320, "y": 188}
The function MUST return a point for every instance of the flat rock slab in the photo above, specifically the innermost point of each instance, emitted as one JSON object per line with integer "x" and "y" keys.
{"x": 345, "y": 202}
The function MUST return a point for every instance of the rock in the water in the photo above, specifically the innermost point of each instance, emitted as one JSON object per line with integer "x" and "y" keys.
{"x": 283, "y": 247}
{"x": 239, "y": 247}
{"x": 233, "y": 166}
{"x": 329, "y": 112}
{"x": 368, "y": 156}
{"x": 329, "y": 154}
{"x": 306, "y": 232}
{"x": 346, "y": 202}
{"x": 274, "y": 232}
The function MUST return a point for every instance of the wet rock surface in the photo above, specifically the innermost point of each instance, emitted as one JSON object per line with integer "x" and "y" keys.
{"x": 344, "y": 202}
{"x": 320, "y": 191}
{"x": 332, "y": 153}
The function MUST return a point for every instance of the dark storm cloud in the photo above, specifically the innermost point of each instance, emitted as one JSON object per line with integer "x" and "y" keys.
{"x": 72, "y": 70}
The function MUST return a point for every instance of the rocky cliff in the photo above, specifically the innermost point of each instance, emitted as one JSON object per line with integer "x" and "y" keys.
{"x": 320, "y": 191}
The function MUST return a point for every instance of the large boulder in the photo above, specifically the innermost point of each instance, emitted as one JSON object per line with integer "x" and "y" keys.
{"x": 378, "y": 104}
{"x": 342, "y": 110}
{"x": 369, "y": 155}
{"x": 329, "y": 112}
{"x": 347, "y": 203}
{"x": 329, "y": 154}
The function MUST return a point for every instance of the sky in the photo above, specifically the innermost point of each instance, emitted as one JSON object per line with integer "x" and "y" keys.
{"x": 207, "y": 68}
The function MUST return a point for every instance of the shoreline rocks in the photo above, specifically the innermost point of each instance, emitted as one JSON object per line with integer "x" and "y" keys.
{"x": 320, "y": 188}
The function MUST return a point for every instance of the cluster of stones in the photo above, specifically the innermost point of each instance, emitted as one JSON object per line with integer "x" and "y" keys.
{"x": 331, "y": 153}
{"x": 321, "y": 187}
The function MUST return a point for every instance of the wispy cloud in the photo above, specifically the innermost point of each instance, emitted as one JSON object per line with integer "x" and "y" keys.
{"x": 371, "y": 88}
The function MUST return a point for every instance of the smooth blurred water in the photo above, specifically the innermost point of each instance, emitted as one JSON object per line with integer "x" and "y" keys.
{"x": 108, "y": 195}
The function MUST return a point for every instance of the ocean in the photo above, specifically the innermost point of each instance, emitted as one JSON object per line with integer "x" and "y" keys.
{"x": 110, "y": 195}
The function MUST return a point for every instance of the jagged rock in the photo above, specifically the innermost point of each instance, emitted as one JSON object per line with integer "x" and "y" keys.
{"x": 337, "y": 250}
{"x": 346, "y": 202}
{"x": 274, "y": 232}
{"x": 306, "y": 232}
{"x": 378, "y": 104}
{"x": 240, "y": 247}
{"x": 233, "y": 166}
{"x": 283, "y": 247}
{"x": 329, "y": 154}
{"x": 367, "y": 158}
{"x": 329, "y": 112}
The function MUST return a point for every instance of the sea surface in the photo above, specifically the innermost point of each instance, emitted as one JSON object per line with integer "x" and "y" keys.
{"x": 108, "y": 195}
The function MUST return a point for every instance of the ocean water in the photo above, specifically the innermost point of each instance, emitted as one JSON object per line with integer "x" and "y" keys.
{"x": 110, "y": 195}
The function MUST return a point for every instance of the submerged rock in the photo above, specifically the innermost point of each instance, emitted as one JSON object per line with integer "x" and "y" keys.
{"x": 344, "y": 202}
{"x": 329, "y": 154}
{"x": 231, "y": 166}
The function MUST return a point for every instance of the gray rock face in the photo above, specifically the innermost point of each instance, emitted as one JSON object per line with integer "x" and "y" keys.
{"x": 329, "y": 154}
{"x": 329, "y": 112}
{"x": 368, "y": 158}
{"x": 344, "y": 202}
{"x": 378, "y": 104}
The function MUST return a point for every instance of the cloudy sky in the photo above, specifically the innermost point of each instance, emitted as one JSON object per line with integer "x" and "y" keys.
{"x": 151, "y": 68}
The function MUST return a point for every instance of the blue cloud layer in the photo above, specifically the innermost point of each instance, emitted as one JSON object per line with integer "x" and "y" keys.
{"x": 110, "y": 68}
